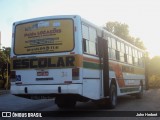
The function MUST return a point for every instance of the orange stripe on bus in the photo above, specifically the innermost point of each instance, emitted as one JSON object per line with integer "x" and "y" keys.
{"x": 90, "y": 60}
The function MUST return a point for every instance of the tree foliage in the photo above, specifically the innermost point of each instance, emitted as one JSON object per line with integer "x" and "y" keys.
{"x": 154, "y": 66}
{"x": 154, "y": 72}
{"x": 4, "y": 60}
{"x": 122, "y": 31}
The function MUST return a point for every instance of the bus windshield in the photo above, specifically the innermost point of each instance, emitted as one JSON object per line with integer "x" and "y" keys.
{"x": 47, "y": 36}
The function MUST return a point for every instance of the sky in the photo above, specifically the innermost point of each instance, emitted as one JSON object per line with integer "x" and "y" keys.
{"x": 142, "y": 16}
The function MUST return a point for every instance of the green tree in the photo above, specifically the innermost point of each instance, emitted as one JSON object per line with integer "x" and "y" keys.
{"x": 122, "y": 31}
{"x": 4, "y": 64}
{"x": 154, "y": 72}
{"x": 118, "y": 29}
{"x": 154, "y": 66}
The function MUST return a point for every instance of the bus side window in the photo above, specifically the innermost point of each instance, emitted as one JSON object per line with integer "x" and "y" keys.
{"x": 122, "y": 51}
{"x": 126, "y": 53}
{"x": 118, "y": 50}
{"x": 109, "y": 47}
{"x": 140, "y": 60}
{"x": 133, "y": 56}
{"x": 89, "y": 40}
{"x": 85, "y": 35}
{"x": 109, "y": 42}
{"x": 109, "y": 52}
{"x": 136, "y": 57}
{"x": 84, "y": 45}
{"x": 143, "y": 60}
{"x": 117, "y": 55}
{"x": 118, "y": 45}
{"x": 130, "y": 59}
{"x": 114, "y": 47}
{"x": 92, "y": 41}
{"x": 125, "y": 57}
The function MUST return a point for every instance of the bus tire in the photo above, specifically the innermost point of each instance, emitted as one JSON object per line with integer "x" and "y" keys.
{"x": 113, "y": 96}
{"x": 139, "y": 95}
{"x": 63, "y": 102}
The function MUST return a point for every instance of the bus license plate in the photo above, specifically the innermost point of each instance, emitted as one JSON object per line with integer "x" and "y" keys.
{"x": 42, "y": 73}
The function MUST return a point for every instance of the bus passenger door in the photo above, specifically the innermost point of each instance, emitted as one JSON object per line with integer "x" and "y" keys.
{"x": 104, "y": 65}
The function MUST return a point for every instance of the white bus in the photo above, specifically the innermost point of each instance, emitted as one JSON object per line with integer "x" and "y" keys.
{"x": 70, "y": 59}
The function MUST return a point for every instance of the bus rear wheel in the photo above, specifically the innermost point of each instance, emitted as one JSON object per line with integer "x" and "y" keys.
{"x": 113, "y": 96}
{"x": 110, "y": 102}
{"x": 65, "y": 102}
{"x": 139, "y": 95}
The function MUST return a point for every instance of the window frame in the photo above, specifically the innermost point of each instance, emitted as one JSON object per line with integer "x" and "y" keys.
{"x": 88, "y": 48}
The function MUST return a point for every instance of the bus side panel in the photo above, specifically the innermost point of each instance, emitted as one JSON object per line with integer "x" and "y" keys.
{"x": 128, "y": 77}
{"x": 91, "y": 83}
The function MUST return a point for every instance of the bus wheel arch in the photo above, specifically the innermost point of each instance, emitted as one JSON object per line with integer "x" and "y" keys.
{"x": 113, "y": 81}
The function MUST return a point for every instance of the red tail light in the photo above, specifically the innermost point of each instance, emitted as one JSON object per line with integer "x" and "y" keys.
{"x": 75, "y": 73}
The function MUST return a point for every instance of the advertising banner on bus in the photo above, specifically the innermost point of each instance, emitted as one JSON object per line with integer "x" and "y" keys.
{"x": 44, "y": 37}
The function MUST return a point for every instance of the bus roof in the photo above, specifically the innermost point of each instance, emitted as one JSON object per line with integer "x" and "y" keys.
{"x": 46, "y": 17}
{"x": 99, "y": 29}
